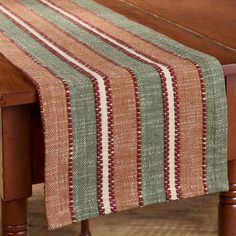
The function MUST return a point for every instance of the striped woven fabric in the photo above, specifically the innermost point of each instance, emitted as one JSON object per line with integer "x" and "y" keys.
{"x": 131, "y": 117}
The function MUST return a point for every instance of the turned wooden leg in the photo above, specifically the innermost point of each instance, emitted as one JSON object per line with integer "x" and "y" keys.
{"x": 14, "y": 218}
{"x": 227, "y": 205}
{"x": 85, "y": 228}
{"x": 16, "y": 171}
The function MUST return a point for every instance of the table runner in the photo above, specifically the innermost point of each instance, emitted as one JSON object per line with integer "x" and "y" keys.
{"x": 130, "y": 117}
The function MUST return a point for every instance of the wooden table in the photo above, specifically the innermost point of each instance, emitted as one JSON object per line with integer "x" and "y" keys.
{"x": 206, "y": 25}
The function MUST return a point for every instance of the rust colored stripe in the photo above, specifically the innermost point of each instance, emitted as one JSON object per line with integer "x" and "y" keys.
{"x": 124, "y": 132}
{"x": 57, "y": 192}
{"x": 190, "y": 96}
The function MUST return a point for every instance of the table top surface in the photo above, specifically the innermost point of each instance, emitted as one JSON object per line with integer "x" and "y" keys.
{"x": 206, "y": 25}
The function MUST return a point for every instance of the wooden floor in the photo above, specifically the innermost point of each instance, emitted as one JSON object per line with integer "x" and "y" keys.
{"x": 191, "y": 217}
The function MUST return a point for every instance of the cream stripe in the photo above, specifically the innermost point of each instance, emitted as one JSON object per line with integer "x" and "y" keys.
{"x": 172, "y": 137}
{"x": 102, "y": 92}
{"x": 105, "y": 189}
{"x": 169, "y": 87}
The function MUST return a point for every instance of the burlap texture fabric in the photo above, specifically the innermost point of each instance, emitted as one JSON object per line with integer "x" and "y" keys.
{"x": 131, "y": 117}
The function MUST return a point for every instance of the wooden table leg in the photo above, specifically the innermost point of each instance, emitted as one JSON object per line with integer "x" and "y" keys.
{"x": 227, "y": 205}
{"x": 14, "y": 218}
{"x": 85, "y": 228}
{"x": 16, "y": 176}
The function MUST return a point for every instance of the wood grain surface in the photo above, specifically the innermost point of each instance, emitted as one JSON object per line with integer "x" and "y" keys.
{"x": 208, "y": 26}
{"x": 15, "y": 88}
{"x": 213, "y": 19}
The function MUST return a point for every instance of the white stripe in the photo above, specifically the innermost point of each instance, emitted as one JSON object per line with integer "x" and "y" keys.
{"x": 172, "y": 137}
{"x": 102, "y": 92}
{"x": 169, "y": 88}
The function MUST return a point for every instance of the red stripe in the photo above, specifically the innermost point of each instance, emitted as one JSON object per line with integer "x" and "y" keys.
{"x": 139, "y": 140}
{"x": 70, "y": 167}
{"x": 99, "y": 146}
{"x": 166, "y": 138}
{"x": 111, "y": 148}
{"x": 204, "y": 127}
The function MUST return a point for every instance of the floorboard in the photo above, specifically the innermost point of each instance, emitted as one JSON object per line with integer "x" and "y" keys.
{"x": 191, "y": 217}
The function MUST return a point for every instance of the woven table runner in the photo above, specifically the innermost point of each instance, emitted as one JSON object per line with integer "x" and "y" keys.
{"x": 130, "y": 117}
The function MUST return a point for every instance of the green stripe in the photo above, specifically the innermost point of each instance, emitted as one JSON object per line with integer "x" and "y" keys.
{"x": 84, "y": 120}
{"x": 215, "y": 91}
{"x": 150, "y": 98}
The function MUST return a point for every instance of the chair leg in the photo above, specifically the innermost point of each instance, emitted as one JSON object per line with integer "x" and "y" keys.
{"x": 227, "y": 205}
{"x": 85, "y": 228}
{"x": 14, "y": 218}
